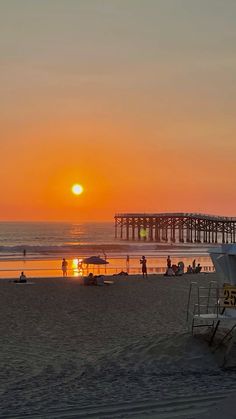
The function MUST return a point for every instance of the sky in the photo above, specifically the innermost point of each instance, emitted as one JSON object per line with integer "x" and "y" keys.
{"x": 133, "y": 99}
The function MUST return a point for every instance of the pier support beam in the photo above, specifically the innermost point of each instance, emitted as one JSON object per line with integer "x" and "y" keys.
{"x": 179, "y": 227}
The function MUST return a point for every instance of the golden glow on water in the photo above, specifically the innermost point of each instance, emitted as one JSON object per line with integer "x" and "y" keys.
{"x": 52, "y": 268}
{"x": 75, "y": 263}
{"x": 77, "y": 267}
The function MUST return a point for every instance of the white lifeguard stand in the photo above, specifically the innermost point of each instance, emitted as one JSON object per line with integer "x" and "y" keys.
{"x": 224, "y": 260}
{"x": 214, "y": 307}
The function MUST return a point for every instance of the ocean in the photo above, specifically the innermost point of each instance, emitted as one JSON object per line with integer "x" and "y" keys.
{"x": 41, "y": 239}
{"x": 38, "y": 247}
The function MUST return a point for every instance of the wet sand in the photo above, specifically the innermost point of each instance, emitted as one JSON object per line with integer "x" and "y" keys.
{"x": 114, "y": 351}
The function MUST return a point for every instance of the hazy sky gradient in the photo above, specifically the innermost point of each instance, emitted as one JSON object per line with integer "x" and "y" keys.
{"x": 134, "y": 99}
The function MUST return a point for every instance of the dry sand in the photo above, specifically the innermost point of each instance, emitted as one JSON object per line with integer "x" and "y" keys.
{"x": 115, "y": 351}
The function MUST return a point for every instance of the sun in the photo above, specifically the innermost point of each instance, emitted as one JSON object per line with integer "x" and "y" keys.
{"x": 77, "y": 189}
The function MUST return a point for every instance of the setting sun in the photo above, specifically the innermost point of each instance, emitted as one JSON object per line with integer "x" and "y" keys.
{"x": 77, "y": 189}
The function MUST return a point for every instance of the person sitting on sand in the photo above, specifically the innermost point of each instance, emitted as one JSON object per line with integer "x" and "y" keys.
{"x": 198, "y": 269}
{"x": 170, "y": 272}
{"x": 189, "y": 269}
{"x": 174, "y": 268}
{"x": 143, "y": 262}
{"x": 64, "y": 266}
{"x": 22, "y": 277}
{"x": 91, "y": 279}
{"x": 180, "y": 269}
{"x": 121, "y": 273}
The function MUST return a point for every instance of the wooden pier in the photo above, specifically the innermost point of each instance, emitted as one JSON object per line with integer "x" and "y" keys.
{"x": 175, "y": 228}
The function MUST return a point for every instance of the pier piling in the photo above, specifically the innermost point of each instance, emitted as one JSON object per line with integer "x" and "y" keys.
{"x": 175, "y": 228}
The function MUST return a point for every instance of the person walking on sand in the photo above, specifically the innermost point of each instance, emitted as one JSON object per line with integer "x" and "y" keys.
{"x": 168, "y": 260}
{"x": 143, "y": 262}
{"x": 64, "y": 266}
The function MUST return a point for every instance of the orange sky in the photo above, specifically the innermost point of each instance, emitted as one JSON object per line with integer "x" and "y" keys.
{"x": 134, "y": 100}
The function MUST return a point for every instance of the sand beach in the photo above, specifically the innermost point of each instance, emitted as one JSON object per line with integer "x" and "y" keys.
{"x": 114, "y": 351}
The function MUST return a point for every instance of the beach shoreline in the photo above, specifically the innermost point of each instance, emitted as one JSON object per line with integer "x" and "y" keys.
{"x": 51, "y": 267}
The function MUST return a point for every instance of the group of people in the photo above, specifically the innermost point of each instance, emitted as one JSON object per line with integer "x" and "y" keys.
{"x": 178, "y": 269}
{"x": 194, "y": 269}
{"x": 172, "y": 269}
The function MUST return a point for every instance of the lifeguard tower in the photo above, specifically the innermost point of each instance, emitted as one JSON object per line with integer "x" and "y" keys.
{"x": 212, "y": 309}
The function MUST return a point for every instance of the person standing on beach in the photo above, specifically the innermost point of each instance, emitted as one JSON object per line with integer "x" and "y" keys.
{"x": 143, "y": 262}
{"x": 127, "y": 263}
{"x": 64, "y": 266}
{"x": 168, "y": 260}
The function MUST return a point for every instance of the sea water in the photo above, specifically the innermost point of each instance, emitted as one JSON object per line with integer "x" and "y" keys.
{"x": 38, "y": 247}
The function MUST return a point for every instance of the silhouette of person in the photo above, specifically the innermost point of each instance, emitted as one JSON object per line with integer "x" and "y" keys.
{"x": 168, "y": 260}
{"x": 143, "y": 262}
{"x": 198, "y": 268}
{"x": 64, "y": 266}
{"x": 189, "y": 269}
{"x": 22, "y": 277}
{"x": 127, "y": 263}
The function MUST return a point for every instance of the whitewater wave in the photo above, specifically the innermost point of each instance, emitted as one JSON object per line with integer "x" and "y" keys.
{"x": 94, "y": 248}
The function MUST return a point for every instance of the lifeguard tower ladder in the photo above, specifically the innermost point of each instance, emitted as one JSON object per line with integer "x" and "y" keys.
{"x": 213, "y": 309}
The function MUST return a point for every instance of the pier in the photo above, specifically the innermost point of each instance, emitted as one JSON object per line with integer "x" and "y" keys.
{"x": 175, "y": 228}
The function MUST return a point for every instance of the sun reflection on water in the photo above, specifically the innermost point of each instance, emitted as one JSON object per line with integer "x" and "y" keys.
{"x": 77, "y": 267}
